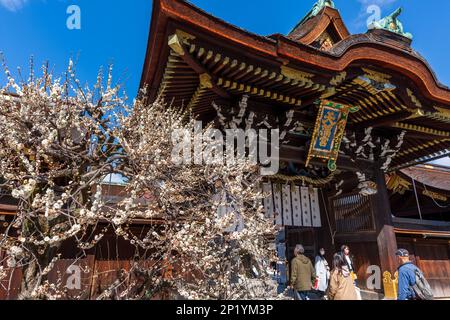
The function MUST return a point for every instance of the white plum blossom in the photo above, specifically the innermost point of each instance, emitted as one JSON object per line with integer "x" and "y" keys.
{"x": 25, "y": 190}
{"x": 52, "y": 132}
{"x": 15, "y": 251}
{"x": 58, "y": 146}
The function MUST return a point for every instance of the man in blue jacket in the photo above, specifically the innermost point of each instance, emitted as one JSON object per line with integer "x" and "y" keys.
{"x": 406, "y": 276}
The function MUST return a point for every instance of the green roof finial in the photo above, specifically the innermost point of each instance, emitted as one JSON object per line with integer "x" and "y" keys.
{"x": 391, "y": 23}
{"x": 318, "y": 6}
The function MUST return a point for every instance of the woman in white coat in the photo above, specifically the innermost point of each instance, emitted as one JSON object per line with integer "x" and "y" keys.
{"x": 322, "y": 272}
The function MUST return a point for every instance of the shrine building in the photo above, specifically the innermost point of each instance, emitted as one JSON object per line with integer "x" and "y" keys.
{"x": 360, "y": 116}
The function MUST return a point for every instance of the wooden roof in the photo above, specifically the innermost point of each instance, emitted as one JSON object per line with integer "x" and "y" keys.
{"x": 433, "y": 176}
{"x": 328, "y": 20}
{"x": 194, "y": 58}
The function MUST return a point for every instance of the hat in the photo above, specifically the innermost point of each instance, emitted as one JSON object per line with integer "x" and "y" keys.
{"x": 402, "y": 253}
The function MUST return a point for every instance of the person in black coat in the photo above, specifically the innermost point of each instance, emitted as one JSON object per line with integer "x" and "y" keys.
{"x": 348, "y": 259}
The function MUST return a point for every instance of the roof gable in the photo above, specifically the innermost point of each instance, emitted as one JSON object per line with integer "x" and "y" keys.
{"x": 326, "y": 26}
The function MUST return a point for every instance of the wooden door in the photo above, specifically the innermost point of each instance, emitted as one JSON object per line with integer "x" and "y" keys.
{"x": 307, "y": 237}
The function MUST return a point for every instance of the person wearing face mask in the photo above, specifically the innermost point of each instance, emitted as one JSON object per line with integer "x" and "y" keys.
{"x": 322, "y": 272}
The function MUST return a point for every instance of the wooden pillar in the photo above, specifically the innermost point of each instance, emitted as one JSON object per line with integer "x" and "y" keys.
{"x": 387, "y": 245}
{"x": 386, "y": 239}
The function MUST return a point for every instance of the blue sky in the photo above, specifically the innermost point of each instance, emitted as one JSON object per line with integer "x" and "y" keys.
{"x": 116, "y": 31}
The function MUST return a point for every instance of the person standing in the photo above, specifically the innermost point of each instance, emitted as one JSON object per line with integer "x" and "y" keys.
{"x": 322, "y": 272}
{"x": 412, "y": 285}
{"x": 348, "y": 260}
{"x": 341, "y": 285}
{"x": 302, "y": 273}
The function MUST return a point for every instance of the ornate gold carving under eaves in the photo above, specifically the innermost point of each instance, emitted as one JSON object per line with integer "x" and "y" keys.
{"x": 295, "y": 74}
{"x": 205, "y": 81}
{"x": 177, "y": 40}
{"x": 414, "y": 99}
{"x": 377, "y": 76}
{"x": 338, "y": 79}
{"x": 397, "y": 184}
{"x": 434, "y": 195}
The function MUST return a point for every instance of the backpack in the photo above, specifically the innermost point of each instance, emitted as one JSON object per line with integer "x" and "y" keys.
{"x": 422, "y": 288}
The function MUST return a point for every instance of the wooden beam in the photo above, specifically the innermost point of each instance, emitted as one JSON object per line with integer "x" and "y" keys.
{"x": 385, "y": 121}
{"x": 356, "y": 237}
{"x": 8, "y": 208}
{"x": 299, "y": 155}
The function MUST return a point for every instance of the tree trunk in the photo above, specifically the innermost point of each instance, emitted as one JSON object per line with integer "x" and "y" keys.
{"x": 37, "y": 260}
{"x": 31, "y": 280}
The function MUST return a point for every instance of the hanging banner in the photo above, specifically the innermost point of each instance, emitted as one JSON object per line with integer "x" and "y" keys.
{"x": 315, "y": 208}
{"x": 287, "y": 211}
{"x": 328, "y": 132}
{"x": 296, "y": 207}
{"x": 268, "y": 200}
{"x": 306, "y": 207}
{"x": 292, "y": 205}
{"x": 278, "y": 211}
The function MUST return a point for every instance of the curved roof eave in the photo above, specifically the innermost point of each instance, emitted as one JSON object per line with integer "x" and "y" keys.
{"x": 347, "y": 52}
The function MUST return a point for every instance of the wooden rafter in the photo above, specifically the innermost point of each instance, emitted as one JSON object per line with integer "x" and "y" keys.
{"x": 421, "y": 147}
{"x": 424, "y": 131}
{"x": 287, "y": 81}
{"x": 252, "y": 90}
{"x": 206, "y": 79}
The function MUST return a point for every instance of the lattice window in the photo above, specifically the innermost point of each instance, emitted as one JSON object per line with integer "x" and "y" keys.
{"x": 353, "y": 213}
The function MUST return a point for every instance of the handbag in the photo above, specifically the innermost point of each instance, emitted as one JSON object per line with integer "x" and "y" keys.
{"x": 316, "y": 284}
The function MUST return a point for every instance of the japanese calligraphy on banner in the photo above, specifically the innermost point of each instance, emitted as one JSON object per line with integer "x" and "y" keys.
{"x": 292, "y": 205}
{"x": 328, "y": 132}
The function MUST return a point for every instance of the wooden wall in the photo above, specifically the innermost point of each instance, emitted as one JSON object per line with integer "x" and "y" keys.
{"x": 95, "y": 277}
{"x": 432, "y": 256}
